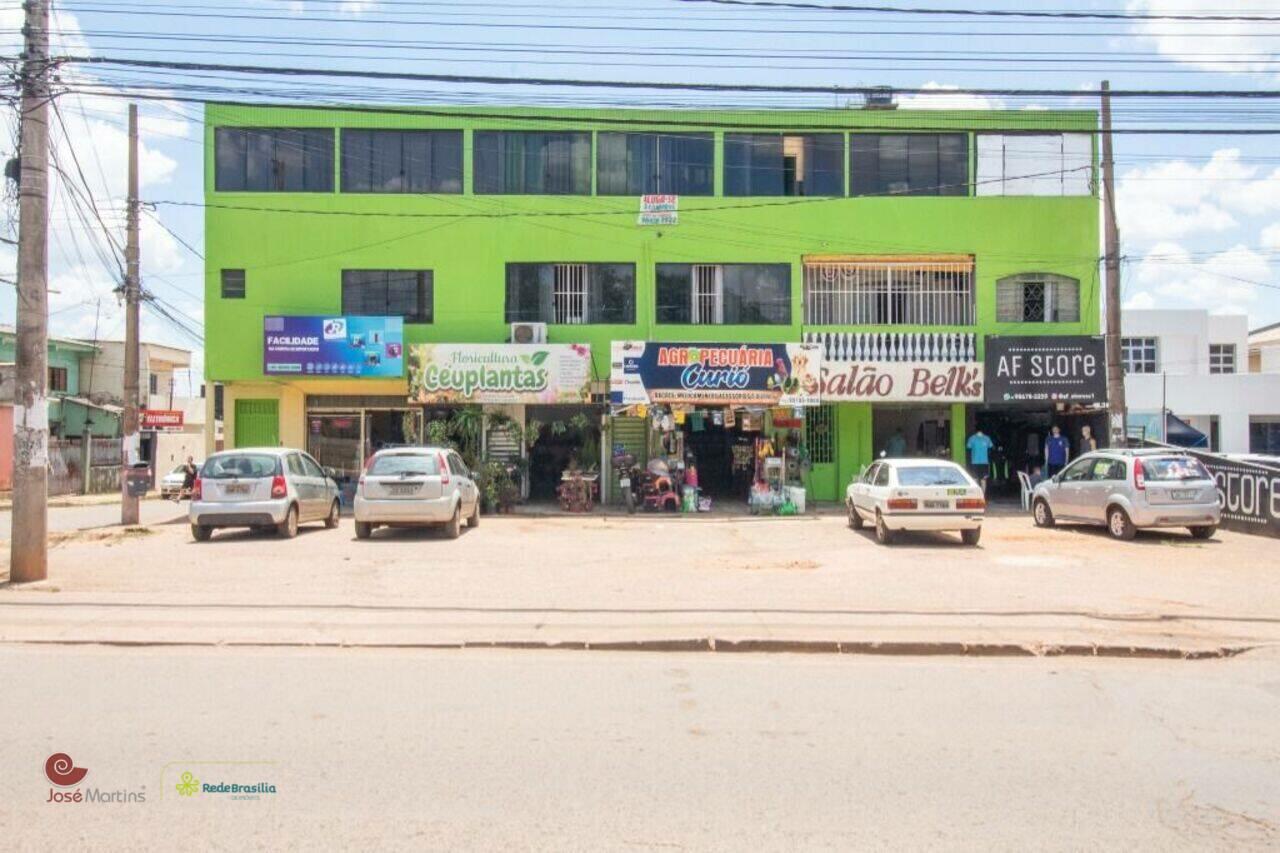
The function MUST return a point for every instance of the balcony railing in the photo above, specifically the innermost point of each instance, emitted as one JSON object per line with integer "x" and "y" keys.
{"x": 904, "y": 346}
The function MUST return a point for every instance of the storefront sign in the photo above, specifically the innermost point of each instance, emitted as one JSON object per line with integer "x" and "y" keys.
{"x": 1063, "y": 369}
{"x": 659, "y": 210}
{"x": 1248, "y": 493}
{"x": 163, "y": 420}
{"x": 499, "y": 373}
{"x": 333, "y": 346}
{"x": 728, "y": 373}
{"x": 902, "y": 382}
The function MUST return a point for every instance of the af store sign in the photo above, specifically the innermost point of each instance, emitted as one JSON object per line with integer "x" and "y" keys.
{"x": 715, "y": 373}
{"x": 901, "y": 382}
{"x": 333, "y": 346}
{"x": 1062, "y": 369}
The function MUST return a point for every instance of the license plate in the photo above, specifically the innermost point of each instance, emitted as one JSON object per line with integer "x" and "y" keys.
{"x": 236, "y": 489}
{"x": 937, "y": 504}
{"x": 404, "y": 490}
{"x": 1184, "y": 494}
{"x": 956, "y": 492}
{"x": 625, "y": 482}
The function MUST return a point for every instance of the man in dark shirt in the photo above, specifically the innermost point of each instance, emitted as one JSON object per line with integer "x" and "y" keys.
{"x": 1057, "y": 452}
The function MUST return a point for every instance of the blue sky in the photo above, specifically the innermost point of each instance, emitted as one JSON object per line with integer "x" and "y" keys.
{"x": 1200, "y": 216}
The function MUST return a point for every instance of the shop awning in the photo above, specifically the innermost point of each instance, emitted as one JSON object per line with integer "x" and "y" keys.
{"x": 1180, "y": 433}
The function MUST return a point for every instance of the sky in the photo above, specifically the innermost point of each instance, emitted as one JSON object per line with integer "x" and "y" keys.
{"x": 1199, "y": 215}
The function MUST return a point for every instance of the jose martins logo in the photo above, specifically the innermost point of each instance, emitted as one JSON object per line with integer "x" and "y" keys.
{"x": 62, "y": 772}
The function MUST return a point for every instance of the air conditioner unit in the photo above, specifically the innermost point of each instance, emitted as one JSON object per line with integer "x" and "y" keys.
{"x": 528, "y": 333}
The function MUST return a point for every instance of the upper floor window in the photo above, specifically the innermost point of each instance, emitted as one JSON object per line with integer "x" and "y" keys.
{"x": 773, "y": 164}
{"x": 1139, "y": 355}
{"x": 58, "y": 377}
{"x": 1222, "y": 358}
{"x": 909, "y": 164}
{"x": 1044, "y": 164}
{"x": 153, "y": 383}
{"x": 518, "y": 162}
{"x": 233, "y": 284}
{"x": 401, "y": 161}
{"x": 647, "y": 163}
{"x": 1038, "y": 298}
{"x": 571, "y": 294}
{"x": 889, "y": 292}
{"x": 728, "y": 294}
{"x": 273, "y": 159}
{"x": 389, "y": 293}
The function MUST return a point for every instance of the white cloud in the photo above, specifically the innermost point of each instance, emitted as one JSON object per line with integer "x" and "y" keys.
{"x": 1248, "y": 45}
{"x": 1224, "y": 280}
{"x": 344, "y": 7}
{"x": 944, "y": 101}
{"x": 1140, "y": 302}
{"x": 1270, "y": 237}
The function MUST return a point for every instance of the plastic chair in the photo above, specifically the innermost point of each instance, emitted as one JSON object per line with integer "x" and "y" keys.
{"x": 1025, "y": 479}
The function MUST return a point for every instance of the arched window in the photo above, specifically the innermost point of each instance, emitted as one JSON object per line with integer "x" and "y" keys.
{"x": 1038, "y": 298}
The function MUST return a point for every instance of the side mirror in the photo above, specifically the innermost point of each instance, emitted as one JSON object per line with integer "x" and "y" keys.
{"x": 331, "y": 473}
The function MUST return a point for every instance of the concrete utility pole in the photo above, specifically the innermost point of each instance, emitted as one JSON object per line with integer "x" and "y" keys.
{"x": 132, "y": 292}
{"x": 1118, "y": 426}
{"x": 28, "y": 557}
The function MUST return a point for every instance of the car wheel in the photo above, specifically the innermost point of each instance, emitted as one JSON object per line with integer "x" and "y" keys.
{"x": 855, "y": 520}
{"x": 1042, "y": 514}
{"x": 1119, "y": 525}
{"x": 1204, "y": 532}
{"x": 884, "y": 535}
{"x": 289, "y": 527}
{"x": 334, "y": 512}
{"x": 201, "y": 532}
{"x": 474, "y": 520}
{"x": 453, "y": 527}
{"x": 971, "y": 537}
{"x": 363, "y": 530}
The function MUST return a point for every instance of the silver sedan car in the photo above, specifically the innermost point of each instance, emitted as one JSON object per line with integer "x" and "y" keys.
{"x": 1130, "y": 489}
{"x": 416, "y": 486}
{"x": 269, "y": 488}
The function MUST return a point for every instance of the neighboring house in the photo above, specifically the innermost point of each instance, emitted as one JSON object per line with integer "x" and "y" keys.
{"x": 1264, "y": 349}
{"x": 172, "y": 424}
{"x": 1193, "y": 364}
{"x": 896, "y": 239}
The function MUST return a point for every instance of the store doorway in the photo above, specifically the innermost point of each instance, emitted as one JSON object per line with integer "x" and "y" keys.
{"x": 722, "y": 453}
{"x": 561, "y": 436}
{"x": 911, "y": 431}
{"x": 1019, "y": 435}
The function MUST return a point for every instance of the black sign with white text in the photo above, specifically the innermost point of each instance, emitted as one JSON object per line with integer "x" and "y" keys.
{"x": 1248, "y": 493}
{"x": 1061, "y": 369}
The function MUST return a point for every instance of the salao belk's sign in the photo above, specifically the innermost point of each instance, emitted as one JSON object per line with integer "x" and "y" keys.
{"x": 902, "y": 382}
{"x": 715, "y": 373}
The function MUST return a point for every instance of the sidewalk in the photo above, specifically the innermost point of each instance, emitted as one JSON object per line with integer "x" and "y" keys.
{"x": 65, "y": 501}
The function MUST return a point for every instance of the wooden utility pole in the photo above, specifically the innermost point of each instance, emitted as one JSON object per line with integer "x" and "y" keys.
{"x": 1117, "y": 426}
{"x": 132, "y": 292}
{"x": 28, "y": 557}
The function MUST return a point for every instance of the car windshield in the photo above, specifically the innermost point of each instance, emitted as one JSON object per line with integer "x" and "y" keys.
{"x": 241, "y": 465}
{"x": 181, "y": 469}
{"x": 933, "y": 475}
{"x": 404, "y": 465}
{"x": 1174, "y": 468}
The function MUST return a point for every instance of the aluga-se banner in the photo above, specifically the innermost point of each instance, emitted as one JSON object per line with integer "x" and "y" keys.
{"x": 715, "y": 373}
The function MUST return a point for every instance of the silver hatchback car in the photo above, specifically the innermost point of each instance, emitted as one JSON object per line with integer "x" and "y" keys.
{"x": 267, "y": 488}
{"x": 416, "y": 486}
{"x": 1130, "y": 489}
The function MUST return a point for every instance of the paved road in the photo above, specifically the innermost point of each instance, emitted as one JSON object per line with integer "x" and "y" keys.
{"x": 617, "y": 751}
{"x": 98, "y": 515}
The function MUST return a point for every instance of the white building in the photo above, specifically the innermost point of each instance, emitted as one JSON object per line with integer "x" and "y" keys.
{"x": 1196, "y": 366}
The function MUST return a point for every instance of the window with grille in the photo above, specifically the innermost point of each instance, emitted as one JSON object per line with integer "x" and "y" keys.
{"x": 58, "y": 379}
{"x": 569, "y": 300}
{"x": 875, "y": 292}
{"x": 1222, "y": 358}
{"x": 728, "y": 294}
{"x": 571, "y": 293}
{"x": 1038, "y": 298}
{"x": 708, "y": 293}
{"x": 389, "y": 293}
{"x": 818, "y": 435}
{"x": 1139, "y": 355}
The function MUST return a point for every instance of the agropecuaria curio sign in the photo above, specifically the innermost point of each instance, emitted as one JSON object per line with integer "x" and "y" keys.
{"x": 1057, "y": 369}
{"x": 715, "y": 373}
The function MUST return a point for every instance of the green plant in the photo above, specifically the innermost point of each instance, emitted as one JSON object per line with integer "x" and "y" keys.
{"x": 438, "y": 434}
{"x": 532, "y": 432}
{"x": 558, "y": 427}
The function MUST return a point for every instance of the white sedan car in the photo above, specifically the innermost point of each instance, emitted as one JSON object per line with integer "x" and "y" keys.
{"x": 916, "y": 494}
{"x": 414, "y": 487}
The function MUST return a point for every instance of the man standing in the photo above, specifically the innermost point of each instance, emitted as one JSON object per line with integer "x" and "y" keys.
{"x": 897, "y": 446}
{"x": 1057, "y": 452}
{"x": 979, "y": 445}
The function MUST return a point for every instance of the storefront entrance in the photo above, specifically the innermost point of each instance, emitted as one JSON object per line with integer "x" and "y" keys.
{"x": 912, "y": 431}
{"x": 1019, "y": 435}
{"x": 722, "y": 453}
{"x": 343, "y": 438}
{"x": 561, "y": 436}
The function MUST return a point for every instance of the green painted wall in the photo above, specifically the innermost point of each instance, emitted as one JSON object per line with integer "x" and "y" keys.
{"x": 59, "y": 356}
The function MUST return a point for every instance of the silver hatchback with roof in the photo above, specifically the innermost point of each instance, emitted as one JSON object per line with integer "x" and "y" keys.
{"x": 1126, "y": 490}
{"x": 264, "y": 488}
{"x": 416, "y": 486}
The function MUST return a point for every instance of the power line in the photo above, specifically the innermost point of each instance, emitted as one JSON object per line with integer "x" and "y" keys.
{"x": 987, "y": 13}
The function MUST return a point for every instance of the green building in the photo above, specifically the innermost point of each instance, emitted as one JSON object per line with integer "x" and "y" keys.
{"x": 896, "y": 241}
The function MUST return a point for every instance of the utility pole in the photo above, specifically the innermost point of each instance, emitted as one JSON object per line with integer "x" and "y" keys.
{"x": 1111, "y": 236}
{"x": 28, "y": 557}
{"x": 132, "y": 291}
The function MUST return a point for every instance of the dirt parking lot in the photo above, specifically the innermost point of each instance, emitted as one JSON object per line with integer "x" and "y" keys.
{"x": 633, "y": 563}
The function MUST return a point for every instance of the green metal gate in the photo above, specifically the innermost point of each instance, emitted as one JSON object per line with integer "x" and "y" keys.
{"x": 820, "y": 439}
{"x": 629, "y": 435}
{"x": 257, "y": 423}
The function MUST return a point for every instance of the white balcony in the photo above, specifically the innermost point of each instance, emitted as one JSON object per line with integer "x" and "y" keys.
{"x": 899, "y": 346}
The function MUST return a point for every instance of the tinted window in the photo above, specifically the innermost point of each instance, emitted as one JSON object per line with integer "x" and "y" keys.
{"x": 402, "y": 161}
{"x": 389, "y": 293}
{"x": 276, "y": 159}
{"x": 647, "y": 163}
{"x": 312, "y": 467}
{"x": 531, "y": 163}
{"x": 1107, "y": 469}
{"x": 1174, "y": 468}
{"x": 233, "y": 284}
{"x": 774, "y": 164}
{"x": 882, "y": 476}
{"x": 729, "y": 294}
{"x": 241, "y": 465}
{"x": 457, "y": 466}
{"x": 404, "y": 463}
{"x": 1079, "y": 471}
{"x": 909, "y": 164}
{"x": 941, "y": 475}
{"x": 568, "y": 294}
{"x": 295, "y": 466}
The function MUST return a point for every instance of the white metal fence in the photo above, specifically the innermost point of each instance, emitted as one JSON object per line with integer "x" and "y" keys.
{"x": 570, "y": 293}
{"x": 889, "y": 293}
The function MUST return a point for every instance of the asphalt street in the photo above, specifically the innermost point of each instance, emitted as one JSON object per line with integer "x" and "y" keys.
{"x": 632, "y": 751}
